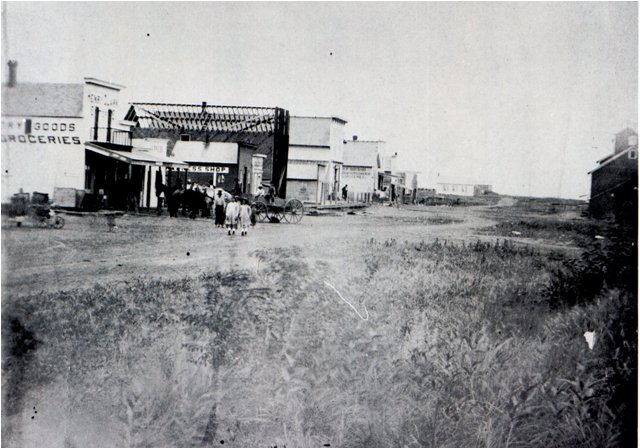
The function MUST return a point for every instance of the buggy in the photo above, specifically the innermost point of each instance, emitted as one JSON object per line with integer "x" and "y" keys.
{"x": 35, "y": 210}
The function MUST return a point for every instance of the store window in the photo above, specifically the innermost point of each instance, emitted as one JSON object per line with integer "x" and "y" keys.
{"x": 96, "y": 123}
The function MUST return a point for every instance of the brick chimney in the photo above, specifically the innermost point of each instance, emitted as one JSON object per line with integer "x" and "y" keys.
{"x": 13, "y": 67}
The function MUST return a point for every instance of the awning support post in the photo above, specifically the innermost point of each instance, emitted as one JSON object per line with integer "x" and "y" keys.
{"x": 149, "y": 189}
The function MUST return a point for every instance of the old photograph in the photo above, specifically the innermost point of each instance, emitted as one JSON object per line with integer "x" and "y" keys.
{"x": 319, "y": 224}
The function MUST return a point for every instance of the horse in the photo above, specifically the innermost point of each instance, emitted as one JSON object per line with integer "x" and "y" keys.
{"x": 173, "y": 197}
{"x": 195, "y": 203}
{"x": 192, "y": 202}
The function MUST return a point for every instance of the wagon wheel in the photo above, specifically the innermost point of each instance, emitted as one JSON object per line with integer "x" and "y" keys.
{"x": 279, "y": 214}
{"x": 261, "y": 210}
{"x": 293, "y": 211}
{"x": 58, "y": 222}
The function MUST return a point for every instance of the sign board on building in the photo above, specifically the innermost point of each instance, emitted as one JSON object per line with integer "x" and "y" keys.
{"x": 356, "y": 172}
{"x": 39, "y": 131}
{"x": 209, "y": 169}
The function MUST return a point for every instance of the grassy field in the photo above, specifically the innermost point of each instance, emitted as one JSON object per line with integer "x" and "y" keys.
{"x": 398, "y": 344}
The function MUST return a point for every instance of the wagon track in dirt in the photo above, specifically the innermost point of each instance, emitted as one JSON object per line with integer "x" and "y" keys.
{"x": 85, "y": 252}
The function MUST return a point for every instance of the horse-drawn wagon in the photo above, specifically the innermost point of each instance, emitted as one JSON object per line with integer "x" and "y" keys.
{"x": 289, "y": 210}
{"x": 197, "y": 202}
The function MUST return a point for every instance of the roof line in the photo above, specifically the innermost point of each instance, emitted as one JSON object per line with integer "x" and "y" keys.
{"x": 615, "y": 157}
{"x": 330, "y": 117}
{"x": 129, "y": 157}
{"x": 309, "y": 146}
{"x": 198, "y": 105}
{"x": 364, "y": 141}
{"x": 43, "y": 116}
{"x": 107, "y": 84}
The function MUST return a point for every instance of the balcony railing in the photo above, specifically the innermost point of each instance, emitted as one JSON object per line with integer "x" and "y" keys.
{"x": 111, "y": 135}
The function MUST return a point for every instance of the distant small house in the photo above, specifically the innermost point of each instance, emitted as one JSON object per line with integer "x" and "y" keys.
{"x": 614, "y": 182}
{"x": 461, "y": 187}
{"x": 455, "y": 187}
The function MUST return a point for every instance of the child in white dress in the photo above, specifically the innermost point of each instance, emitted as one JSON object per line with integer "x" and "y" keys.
{"x": 245, "y": 217}
{"x": 232, "y": 212}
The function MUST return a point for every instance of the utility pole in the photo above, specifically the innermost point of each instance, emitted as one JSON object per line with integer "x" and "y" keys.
{"x": 5, "y": 36}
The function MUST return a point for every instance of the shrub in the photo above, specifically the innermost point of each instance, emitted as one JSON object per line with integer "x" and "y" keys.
{"x": 611, "y": 263}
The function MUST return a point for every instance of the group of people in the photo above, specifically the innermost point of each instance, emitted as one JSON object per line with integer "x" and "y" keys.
{"x": 232, "y": 212}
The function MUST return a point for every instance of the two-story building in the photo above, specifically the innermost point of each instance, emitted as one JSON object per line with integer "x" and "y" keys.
{"x": 361, "y": 163}
{"x": 62, "y": 140}
{"x": 614, "y": 182}
{"x": 314, "y": 172}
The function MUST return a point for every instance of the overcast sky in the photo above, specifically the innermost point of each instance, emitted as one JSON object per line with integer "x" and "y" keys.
{"x": 524, "y": 96}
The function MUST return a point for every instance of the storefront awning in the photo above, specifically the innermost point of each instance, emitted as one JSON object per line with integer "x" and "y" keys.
{"x": 136, "y": 157}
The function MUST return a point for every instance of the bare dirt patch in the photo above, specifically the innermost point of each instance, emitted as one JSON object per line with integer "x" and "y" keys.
{"x": 85, "y": 252}
{"x": 377, "y": 328}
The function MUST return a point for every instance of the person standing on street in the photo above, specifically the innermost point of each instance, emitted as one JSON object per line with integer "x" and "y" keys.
{"x": 245, "y": 217}
{"x": 209, "y": 196}
{"x": 345, "y": 192}
{"x": 232, "y": 212}
{"x": 219, "y": 204}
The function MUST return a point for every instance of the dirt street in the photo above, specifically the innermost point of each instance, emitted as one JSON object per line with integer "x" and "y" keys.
{"x": 85, "y": 252}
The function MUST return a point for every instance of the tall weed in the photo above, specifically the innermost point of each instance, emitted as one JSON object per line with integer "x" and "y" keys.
{"x": 461, "y": 348}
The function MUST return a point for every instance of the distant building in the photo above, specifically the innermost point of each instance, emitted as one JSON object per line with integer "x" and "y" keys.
{"x": 387, "y": 176}
{"x": 614, "y": 182}
{"x": 218, "y": 143}
{"x": 482, "y": 189}
{"x": 314, "y": 170}
{"x": 459, "y": 186}
{"x": 61, "y": 139}
{"x": 423, "y": 193}
{"x": 455, "y": 187}
{"x": 361, "y": 163}
{"x": 407, "y": 185}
